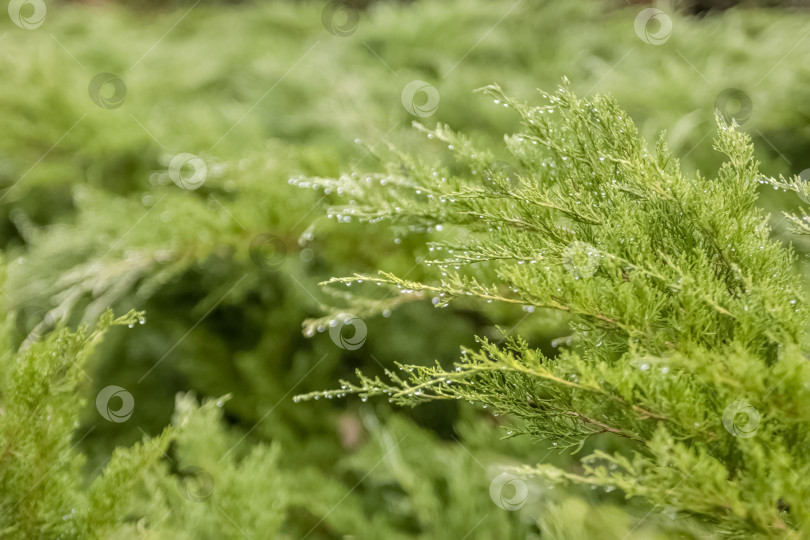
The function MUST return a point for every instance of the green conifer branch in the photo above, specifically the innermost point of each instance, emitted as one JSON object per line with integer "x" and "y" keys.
{"x": 684, "y": 311}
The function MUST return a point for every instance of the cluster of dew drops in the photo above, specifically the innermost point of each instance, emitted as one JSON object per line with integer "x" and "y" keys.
{"x": 141, "y": 320}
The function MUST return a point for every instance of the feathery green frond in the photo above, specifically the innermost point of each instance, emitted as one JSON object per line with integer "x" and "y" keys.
{"x": 688, "y": 323}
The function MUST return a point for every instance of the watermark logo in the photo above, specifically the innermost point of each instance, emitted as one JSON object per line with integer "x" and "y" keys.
{"x": 33, "y": 322}
{"x": 424, "y": 107}
{"x": 734, "y": 105}
{"x": 508, "y": 491}
{"x": 338, "y": 335}
{"x": 107, "y": 90}
{"x": 195, "y": 484}
{"x": 741, "y": 419}
{"x": 653, "y": 26}
{"x": 268, "y": 251}
{"x": 340, "y": 18}
{"x": 105, "y": 409}
{"x": 581, "y": 259}
{"x": 187, "y": 171}
{"x": 27, "y": 14}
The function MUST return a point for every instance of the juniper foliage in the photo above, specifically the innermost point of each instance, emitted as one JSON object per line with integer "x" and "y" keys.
{"x": 41, "y": 480}
{"x": 96, "y": 222}
{"x": 687, "y": 346}
{"x": 196, "y": 478}
{"x": 159, "y": 487}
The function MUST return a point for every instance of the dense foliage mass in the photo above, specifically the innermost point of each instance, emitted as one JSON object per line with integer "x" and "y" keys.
{"x": 171, "y": 197}
{"x": 689, "y": 324}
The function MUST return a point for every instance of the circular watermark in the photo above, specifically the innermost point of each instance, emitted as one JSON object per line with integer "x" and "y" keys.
{"x": 508, "y": 492}
{"x": 107, "y": 90}
{"x": 356, "y": 339}
{"x": 195, "y": 484}
{"x": 27, "y": 14}
{"x": 187, "y": 171}
{"x": 741, "y": 419}
{"x": 121, "y": 414}
{"x": 340, "y": 18}
{"x": 734, "y": 105}
{"x": 268, "y": 251}
{"x": 653, "y": 26}
{"x": 33, "y": 322}
{"x": 581, "y": 259}
{"x": 418, "y": 88}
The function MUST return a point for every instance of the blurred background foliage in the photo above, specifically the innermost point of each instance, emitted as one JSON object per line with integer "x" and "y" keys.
{"x": 263, "y": 91}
